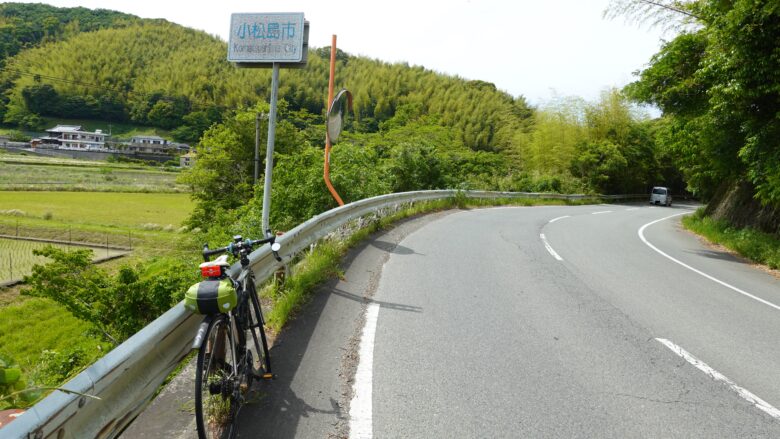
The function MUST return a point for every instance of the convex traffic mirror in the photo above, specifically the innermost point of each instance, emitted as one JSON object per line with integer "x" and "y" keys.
{"x": 336, "y": 114}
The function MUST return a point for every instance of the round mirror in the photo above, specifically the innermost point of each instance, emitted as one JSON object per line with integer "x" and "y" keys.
{"x": 276, "y": 246}
{"x": 335, "y": 117}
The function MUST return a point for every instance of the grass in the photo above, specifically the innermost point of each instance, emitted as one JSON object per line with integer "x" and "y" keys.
{"x": 35, "y": 326}
{"x": 57, "y": 174}
{"x": 762, "y": 248}
{"x": 21, "y": 158}
{"x": 133, "y": 210}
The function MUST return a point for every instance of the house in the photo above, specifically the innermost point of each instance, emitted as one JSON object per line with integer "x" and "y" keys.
{"x": 148, "y": 145}
{"x": 187, "y": 160}
{"x": 154, "y": 145}
{"x": 74, "y": 137}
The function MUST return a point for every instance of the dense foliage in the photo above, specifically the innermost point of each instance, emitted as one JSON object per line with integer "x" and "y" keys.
{"x": 719, "y": 88}
{"x": 117, "y": 306}
{"x": 607, "y": 146}
{"x": 411, "y": 128}
{"x": 162, "y": 74}
{"x": 25, "y": 25}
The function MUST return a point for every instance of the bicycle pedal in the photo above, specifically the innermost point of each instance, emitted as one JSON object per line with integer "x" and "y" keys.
{"x": 269, "y": 376}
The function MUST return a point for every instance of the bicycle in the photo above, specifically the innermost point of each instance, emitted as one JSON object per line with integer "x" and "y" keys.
{"x": 227, "y": 364}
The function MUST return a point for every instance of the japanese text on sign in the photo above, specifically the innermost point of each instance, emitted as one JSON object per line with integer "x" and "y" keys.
{"x": 266, "y": 37}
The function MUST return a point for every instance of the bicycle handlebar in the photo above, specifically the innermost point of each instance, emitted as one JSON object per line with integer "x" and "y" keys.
{"x": 234, "y": 247}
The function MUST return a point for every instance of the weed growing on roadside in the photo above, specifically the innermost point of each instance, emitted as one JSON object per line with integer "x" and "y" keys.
{"x": 760, "y": 247}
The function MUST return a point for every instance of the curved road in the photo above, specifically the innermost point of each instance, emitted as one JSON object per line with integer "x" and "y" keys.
{"x": 563, "y": 322}
{"x": 604, "y": 321}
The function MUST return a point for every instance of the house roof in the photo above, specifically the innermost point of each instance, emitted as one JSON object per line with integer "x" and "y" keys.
{"x": 148, "y": 137}
{"x": 64, "y": 129}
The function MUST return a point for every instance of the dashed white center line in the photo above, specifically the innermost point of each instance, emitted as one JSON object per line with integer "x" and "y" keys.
{"x": 559, "y": 218}
{"x": 549, "y": 248}
{"x": 717, "y": 376}
{"x": 603, "y": 211}
{"x": 361, "y": 409}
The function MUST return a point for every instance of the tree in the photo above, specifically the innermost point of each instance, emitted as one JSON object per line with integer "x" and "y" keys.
{"x": 116, "y": 306}
{"x": 601, "y": 165}
{"x": 42, "y": 99}
{"x": 222, "y": 178}
{"x": 718, "y": 86}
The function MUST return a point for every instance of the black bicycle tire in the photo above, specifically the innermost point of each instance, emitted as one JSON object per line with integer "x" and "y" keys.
{"x": 227, "y": 339}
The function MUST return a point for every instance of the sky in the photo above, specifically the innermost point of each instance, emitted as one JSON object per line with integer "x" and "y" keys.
{"x": 540, "y": 49}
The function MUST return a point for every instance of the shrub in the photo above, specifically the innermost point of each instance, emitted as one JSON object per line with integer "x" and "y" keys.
{"x": 117, "y": 306}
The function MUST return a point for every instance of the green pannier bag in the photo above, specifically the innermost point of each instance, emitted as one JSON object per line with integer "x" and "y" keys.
{"x": 211, "y": 297}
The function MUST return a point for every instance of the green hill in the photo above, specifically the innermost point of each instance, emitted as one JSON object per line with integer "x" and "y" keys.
{"x": 25, "y": 25}
{"x": 465, "y": 133}
{"x": 166, "y": 75}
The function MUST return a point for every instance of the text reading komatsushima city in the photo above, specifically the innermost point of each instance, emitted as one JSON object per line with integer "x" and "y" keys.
{"x": 269, "y": 31}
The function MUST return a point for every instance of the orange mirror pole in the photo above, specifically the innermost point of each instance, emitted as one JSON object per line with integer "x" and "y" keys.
{"x": 326, "y": 174}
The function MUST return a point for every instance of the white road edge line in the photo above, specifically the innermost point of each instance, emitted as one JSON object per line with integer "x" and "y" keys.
{"x": 603, "y": 211}
{"x": 744, "y": 293}
{"x": 361, "y": 409}
{"x": 559, "y": 218}
{"x": 549, "y": 248}
{"x": 633, "y": 208}
{"x": 717, "y": 376}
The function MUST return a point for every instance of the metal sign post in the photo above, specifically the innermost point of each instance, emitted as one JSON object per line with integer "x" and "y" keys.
{"x": 260, "y": 40}
{"x": 269, "y": 151}
{"x": 263, "y": 40}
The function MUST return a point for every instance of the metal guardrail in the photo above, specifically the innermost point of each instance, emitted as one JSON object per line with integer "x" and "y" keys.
{"x": 126, "y": 379}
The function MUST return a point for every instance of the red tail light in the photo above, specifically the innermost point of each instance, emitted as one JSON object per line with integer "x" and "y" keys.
{"x": 211, "y": 271}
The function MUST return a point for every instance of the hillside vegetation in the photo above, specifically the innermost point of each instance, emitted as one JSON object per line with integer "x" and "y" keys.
{"x": 24, "y": 25}
{"x": 718, "y": 84}
{"x": 412, "y": 128}
{"x": 165, "y": 75}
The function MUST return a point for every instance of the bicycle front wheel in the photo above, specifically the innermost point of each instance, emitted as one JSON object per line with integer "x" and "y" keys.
{"x": 255, "y": 335}
{"x": 215, "y": 378}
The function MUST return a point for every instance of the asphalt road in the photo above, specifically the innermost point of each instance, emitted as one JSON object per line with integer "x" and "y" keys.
{"x": 525, "y": 322}
{"x": 510, "y": 341}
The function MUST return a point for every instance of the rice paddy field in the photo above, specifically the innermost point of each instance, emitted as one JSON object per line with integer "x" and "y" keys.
{"x": 76, "y": 201}
{"x": 18, "y": 172}
{"x": 118, "y": 209}
{"x": 17, "y": 258}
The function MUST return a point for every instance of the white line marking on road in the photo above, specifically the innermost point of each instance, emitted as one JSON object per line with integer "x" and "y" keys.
{"x": 360, "y": 409}
{"x": 549, "y": 248}
{"x": 633, "y": 208}
{"x": 559, "y": 218}
{"x": 744, "y": 293}
{"x": 603, "y": 211}
{"x": 717, "y": 376}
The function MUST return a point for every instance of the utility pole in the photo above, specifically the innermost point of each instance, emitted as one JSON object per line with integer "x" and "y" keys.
{"x": 257, "y": 146}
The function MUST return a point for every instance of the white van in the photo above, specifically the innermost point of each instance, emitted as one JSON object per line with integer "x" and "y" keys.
{"x": 661, "y": 195}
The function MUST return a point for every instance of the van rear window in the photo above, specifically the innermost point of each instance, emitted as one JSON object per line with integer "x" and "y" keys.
{"x": 659, "y": 191}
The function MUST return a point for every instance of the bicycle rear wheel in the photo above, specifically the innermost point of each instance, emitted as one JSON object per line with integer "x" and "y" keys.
{"x": 215, "y": 405}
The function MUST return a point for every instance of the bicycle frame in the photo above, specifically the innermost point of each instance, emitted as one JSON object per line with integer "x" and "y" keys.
{"x": 245, "y": 281}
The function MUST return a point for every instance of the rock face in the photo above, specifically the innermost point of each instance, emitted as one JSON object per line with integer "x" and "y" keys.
{"x": 734, "y": 202}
